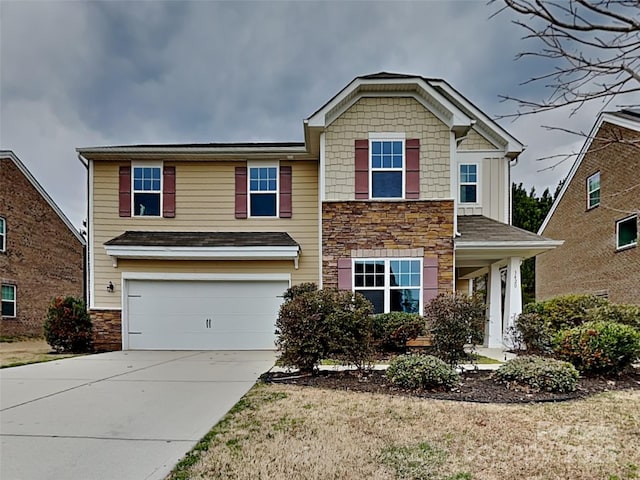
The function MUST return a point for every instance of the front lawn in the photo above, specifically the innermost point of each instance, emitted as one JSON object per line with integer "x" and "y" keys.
{"x": 293, "y": 432}
{"x": 26, "y": 351}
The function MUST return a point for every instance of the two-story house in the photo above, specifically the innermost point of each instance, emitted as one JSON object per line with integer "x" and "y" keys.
{"x": 400, "y": 191}
{"x": 596, "y": 214}
{"x": 41, "y": 253}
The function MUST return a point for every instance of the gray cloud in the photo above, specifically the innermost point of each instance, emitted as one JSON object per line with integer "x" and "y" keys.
{"x": 99, "y": 73}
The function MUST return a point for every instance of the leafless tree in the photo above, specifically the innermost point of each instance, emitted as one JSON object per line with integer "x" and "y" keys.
{"x": 594, "y": 46}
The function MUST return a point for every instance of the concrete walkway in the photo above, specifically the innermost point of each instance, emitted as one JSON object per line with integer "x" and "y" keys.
{"x": 120, "y": 415}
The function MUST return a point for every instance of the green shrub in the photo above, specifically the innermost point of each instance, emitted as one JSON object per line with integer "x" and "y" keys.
{"x": 538, "y": 374}
{"x": 350, "y": 329}
{"x": 625, "y": 314}
{"x": 68, "y": 326}
{"x": 533, "y": 332}
{"x": 299, "y": 289}
{"x": 314, "y": 325}
{"x": 453, "y": 322}
{"x": 421, "y": 371}
{"x": 599, "y": 347}
{"x": 563, "y": 312}
{"x": 391, "y": 331}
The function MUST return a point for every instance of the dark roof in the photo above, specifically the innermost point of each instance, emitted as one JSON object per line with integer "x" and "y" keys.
{"x": 629, "y": 113}
{"x": 208, "y": 145}
{"x": 204, "y": 239}
{"x": 477, "y": 228}
{"x": 391, "y": 76}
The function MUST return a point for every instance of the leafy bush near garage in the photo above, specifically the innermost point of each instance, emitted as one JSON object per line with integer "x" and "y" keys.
{"x": 422, "y": 371}
{"x": 314, "y": 325}
{"x": 599, "y": 347}
{"x": 68, "y": 327}
{"x": 565, "y": 311}
{"x": 299, "y": 289}
{"x": 625, "y": 314}
{"x": 538, "y": 374}
{"x": 391, "y": 331}
{"x": 453, "y": 322}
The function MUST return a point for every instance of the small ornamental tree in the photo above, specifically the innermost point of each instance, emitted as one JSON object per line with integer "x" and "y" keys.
{"x": 453, "y": 322}
{"x": 68, "y": 326}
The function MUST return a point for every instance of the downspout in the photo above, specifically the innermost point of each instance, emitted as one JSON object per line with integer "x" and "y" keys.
{"x": 512, "y": 163}
{"x": 85, "y": 273}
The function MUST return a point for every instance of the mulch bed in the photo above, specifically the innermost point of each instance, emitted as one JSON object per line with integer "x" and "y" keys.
{"x": 476, "y": 386}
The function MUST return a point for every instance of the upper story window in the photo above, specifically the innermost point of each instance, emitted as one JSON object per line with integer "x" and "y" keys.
{"x": 387, "y": 168}
{"x": 391, "y": 285}
{"x": 263, "y": 191}
{"x": 8, "y": 300}
{"x": 147, "y": 191}
{"x": 627, "y": 232}
{"x": 3, "y": 235}
{"x": 593, "y": 190}
{"x": 469, "y": 183}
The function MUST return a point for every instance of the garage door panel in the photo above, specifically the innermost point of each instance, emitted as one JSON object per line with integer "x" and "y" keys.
{"x": 187, "y": 315}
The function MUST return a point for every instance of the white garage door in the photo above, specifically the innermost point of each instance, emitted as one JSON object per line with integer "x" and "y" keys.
{"x": 203, "y": 315}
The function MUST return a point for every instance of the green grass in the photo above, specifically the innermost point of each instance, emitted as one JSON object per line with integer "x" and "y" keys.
{"x": 482, "y": 360}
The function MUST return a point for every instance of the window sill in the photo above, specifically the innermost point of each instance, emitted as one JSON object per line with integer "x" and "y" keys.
{"x": 626, "y": 247}
{"x": 592, "y": 208}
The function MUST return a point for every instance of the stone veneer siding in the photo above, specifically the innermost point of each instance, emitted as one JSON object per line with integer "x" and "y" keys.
{"x": 388, "y": 226}
{"x": 107, "y": 330}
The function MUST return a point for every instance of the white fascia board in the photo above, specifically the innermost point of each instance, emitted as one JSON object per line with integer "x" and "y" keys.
{"x": 43, "y": 193}
{"x": 513, "y": 145}
{"x": 603, "y": 117}
{"x": 457, "y": 116}
{"x": 213, "y": 149}
{"x": 204, "y": 277}
{"x": 509, "y": 245}
{"x": 203, "y": 253}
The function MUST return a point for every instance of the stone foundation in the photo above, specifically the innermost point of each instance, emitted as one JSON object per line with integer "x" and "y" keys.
{"x": 107, "y": 330}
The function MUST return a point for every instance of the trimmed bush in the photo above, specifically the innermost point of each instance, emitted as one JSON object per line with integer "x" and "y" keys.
{"x": 68, "y": 326}
{"x": 299, "y": 289}
{"x": 599, "y": 347}
{"x": 533, "y": 332}
{"x": 391, "y": 331}
{"x": 422, "y": 371}
{"x": 538, "y": 374}
{"x": 453, "y": 322}
{"x": 566, "y": 311}
{"x": 625, "y": 314}
{"x": 314, "y": 325}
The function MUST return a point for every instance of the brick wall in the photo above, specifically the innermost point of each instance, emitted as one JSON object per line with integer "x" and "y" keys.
{"x": 588, "y": 261}
{"x": 386, "y": 226}
{"x": 43, "y": 258}
{"x": 107, "y": 330}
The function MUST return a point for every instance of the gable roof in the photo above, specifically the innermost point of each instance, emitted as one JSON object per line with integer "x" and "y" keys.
{"x": 435, "y": 94}
{"x": 627, "y": 118}
{"x": 25, "y": 171}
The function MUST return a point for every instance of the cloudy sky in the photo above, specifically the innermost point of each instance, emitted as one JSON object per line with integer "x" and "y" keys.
{"x": 79, "y": 73}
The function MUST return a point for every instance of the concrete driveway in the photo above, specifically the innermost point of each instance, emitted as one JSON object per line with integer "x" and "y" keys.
{"x": 118, "y": 415}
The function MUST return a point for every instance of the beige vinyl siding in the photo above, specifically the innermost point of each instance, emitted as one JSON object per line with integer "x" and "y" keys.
{"x": 475, "y": 141}
{"x": 492, "y": 188}
{"x": 205, "y": 201}
{"x": 384, "y": 115}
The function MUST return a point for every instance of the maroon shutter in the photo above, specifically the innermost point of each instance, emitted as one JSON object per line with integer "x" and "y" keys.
{"x": 344, "y": 273}
{"x": 412, "y": 179}
{"x": 241, "y": 192}
{"x": 362, "y": 168}
{"x": 285, "y": 192}
{"x": 169, "y": 192}
{"x": 124, "y": 191}
{"x": 429, "y": 279}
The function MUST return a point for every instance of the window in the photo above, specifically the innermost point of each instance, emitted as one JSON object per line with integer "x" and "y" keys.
{"x": 3, "y": 235}
{"x": 387, "y": 168}
{"x": 468, "y": 183}
{"x": 8, "y": 300}
{"x": 627, "y": 232}
{"x": 263, "y": 191}
{"x": 391, "y": 285}
{"x": 593, "y": 190}
{"x": 147, "y": 189}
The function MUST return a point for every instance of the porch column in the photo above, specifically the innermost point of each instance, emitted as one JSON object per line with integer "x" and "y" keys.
{"x": 493, "y": 328}
{"x": 512, "y": 297}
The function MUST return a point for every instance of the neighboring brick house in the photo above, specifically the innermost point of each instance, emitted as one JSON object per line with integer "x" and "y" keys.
{"x": 41, "y": 253}
{"x": 596, "y": 214}
{"x": 400, "y": 191}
